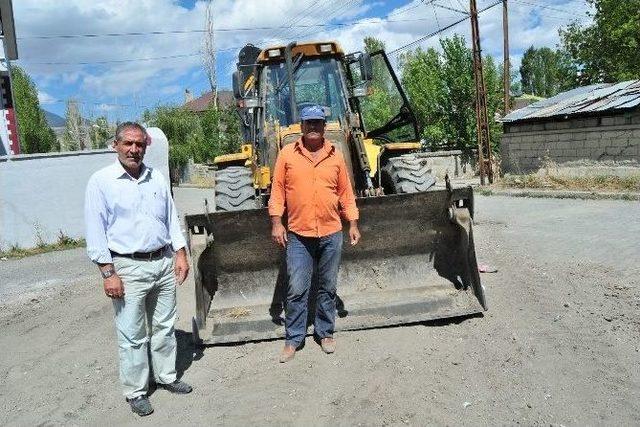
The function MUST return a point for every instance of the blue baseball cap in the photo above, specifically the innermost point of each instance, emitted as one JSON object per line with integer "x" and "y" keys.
{"x": 313, "y": 112}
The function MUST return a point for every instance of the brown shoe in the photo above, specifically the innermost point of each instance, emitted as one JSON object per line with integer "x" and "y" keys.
{"x": 288, "y": 352}
{"x": 328, "y": 345}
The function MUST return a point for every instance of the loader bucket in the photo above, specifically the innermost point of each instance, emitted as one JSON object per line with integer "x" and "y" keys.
{"x": 416, "y": 262}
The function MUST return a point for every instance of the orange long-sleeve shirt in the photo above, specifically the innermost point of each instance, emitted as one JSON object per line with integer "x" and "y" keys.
{"x": 314, "y": 192}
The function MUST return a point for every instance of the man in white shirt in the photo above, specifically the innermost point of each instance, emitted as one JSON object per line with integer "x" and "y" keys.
{"x": 132, "y": 234}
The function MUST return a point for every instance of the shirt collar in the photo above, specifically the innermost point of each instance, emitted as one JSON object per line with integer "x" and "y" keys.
{"x": 119, "y": 171}
{"x": 327, "y": 146}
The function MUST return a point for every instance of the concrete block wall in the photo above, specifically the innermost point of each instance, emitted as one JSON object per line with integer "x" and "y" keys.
{"x": 452, "y": 162}
{"x": 42, "y": 195}
{"x": 525, "y": 146}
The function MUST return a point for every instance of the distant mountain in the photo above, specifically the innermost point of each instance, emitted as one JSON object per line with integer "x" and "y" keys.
{"x": 54, "y": 120}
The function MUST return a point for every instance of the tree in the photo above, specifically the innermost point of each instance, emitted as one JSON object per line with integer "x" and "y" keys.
{"x": 546, "y": 72}
{"x": 76, "y": 133}
{"x": 608, "y": 49}
{"x": 222, "y": 131}
{"x": 442, "y": 93}
{"x": 34, "y": 133}
{"x": 195, "y": 137}
{"x": 183, "y": 131}
{"x": 100, "y": 132}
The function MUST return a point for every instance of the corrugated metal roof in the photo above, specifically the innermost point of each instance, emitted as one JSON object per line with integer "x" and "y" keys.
{"x": 581, "y": 100}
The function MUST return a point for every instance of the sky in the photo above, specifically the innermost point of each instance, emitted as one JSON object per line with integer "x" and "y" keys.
{"x": 84, "y": 49}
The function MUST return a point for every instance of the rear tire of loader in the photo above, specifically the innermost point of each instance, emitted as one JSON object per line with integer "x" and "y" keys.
{"x": 234, "y": 189}
{"x": 406, "y": 174}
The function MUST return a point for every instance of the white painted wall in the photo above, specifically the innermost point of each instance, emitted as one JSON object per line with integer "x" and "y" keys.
{"x": 43, "y": 194}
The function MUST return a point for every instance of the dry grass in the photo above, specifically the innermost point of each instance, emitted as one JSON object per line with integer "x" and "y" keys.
{"x": 238, "y": 312}
{"x": 552, "y": 182}
{"x": 64, "y": 242}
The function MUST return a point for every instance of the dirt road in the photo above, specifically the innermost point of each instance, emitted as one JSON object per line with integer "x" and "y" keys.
{"x": 560, "y": 344}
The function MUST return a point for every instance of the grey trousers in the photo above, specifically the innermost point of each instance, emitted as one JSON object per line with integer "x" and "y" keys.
{"x": 146, "y": 314}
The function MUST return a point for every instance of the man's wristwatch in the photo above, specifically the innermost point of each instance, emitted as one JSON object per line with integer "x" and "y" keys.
{"x": 107, "y": 273}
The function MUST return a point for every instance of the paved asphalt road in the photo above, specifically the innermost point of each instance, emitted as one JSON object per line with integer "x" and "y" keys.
{"x": 602, "y": 231}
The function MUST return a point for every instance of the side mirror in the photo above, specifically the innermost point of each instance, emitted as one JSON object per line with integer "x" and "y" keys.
{"x": 366, "y": 69}
{"x": 237, "y": 85}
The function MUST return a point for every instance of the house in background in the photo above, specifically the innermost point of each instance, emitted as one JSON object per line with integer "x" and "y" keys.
{"x": 200, "y": 104}
{"x": 600, "y": 122}
{"x": 9, "y": 52}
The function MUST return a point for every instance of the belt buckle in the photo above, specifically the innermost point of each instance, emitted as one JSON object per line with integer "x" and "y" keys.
{"x": 141, "y": 257}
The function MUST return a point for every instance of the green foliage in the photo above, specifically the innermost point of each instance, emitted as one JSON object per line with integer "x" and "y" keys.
{"x": 64, "y": 242}
{"x": 372, "y": 44}
{"x": 222, "y": 131}
{"x": 34, "y": 133}
{"x": 100, "y": 132}
{"x": 384, "y": 101}
{"x": 197, "y": 137}
{"x": 442, "y": 93}
{"x": 75, "y": 134}
{"x": 546, "y": 72}
{"x": 607, "y": 50}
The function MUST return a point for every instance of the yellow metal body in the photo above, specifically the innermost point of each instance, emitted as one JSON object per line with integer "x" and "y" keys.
{"x": 262, "y": 179}
{"x": 374, "y": 152}
{"x": 276, "y": 53}
{"x": 246, "y": 154}
{"x": 262, "y": 173}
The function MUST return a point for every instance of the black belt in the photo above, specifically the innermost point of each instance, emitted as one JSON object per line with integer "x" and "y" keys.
{"x": 157, "y": 254}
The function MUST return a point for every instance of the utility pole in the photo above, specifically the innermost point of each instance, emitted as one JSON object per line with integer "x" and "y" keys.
{"x": 507, "y": 72}
{"x": 482, "y": 123}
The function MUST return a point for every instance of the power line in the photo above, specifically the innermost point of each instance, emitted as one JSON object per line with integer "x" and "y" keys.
{"x": 567, "y": 15}
{"x": 544, "y": 6}
{"x": 452, "y": 9}
{"x": 341, "y": 8}
{"x": 298, "y": 17}
{"x": 462, "y": 7}
{"x": 117, "y": 61}
{"x": 428, "y": 36}
{"x": 217, "y": 30}
{"x": 401, "y": 11}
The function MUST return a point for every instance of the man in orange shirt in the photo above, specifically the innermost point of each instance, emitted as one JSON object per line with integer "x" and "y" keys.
{"x": 311, "y": 182}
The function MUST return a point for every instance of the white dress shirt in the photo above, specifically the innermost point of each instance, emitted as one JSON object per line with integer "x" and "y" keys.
{"x": 127, "y": 215}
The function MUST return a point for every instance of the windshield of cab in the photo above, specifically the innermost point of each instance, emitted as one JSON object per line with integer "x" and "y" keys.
{"x": 317, "y": 81}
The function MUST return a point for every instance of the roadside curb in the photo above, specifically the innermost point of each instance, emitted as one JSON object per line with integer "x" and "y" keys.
{"x": 557, "y": 194}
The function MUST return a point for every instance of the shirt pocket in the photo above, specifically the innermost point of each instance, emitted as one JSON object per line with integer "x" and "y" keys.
{"x": 158, "y": 206}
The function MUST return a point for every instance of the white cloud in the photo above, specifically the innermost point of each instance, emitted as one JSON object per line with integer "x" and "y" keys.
{"x": 151, "y": 80}
{"x": 45, "y": 98}
{"x": 105, "y": 107}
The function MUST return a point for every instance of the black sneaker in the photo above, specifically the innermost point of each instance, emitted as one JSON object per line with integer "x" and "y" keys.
{"x": 140, "y": 405}
{"x": 179, "y": 387}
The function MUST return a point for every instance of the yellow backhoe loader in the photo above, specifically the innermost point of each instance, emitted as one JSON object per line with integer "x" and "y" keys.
{"x": 416, "y": 260}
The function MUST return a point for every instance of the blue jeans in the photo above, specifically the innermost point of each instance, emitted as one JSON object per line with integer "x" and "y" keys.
{"x": 303, "y": 255}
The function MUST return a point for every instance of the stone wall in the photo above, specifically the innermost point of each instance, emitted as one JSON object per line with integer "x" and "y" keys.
{"x": 526, "y": 146}
{"x": 452, "y": 162}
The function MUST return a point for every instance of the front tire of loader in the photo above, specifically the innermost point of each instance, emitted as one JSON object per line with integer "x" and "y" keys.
{"x": 406, "y": 174}
{"x": 234, "y": 189}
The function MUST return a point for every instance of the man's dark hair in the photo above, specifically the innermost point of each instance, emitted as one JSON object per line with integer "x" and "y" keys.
{"x": 129, "y": 125}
